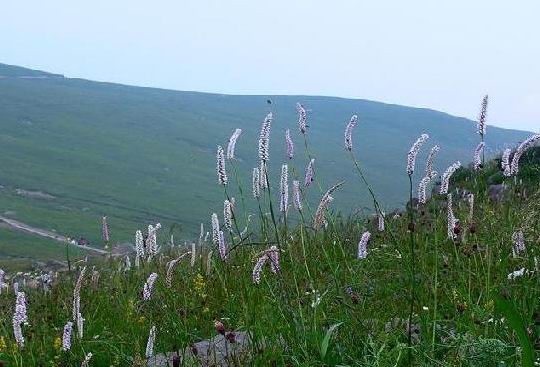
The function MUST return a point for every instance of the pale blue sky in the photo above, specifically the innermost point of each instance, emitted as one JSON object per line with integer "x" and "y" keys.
{"x": 439, "y": 54}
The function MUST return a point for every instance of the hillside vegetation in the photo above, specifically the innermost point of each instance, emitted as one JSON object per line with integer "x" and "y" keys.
{"x": 453, "y": 281}
{"x": 144, "y": 155}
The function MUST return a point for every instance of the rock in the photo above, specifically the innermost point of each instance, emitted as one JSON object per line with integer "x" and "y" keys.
{"x": 226, "y": 350}
{"x": 496, "y": 192}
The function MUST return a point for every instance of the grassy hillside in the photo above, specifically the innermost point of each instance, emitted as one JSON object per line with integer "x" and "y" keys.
{"x": 324, "y": 306}
{"x": 141, "y": 155}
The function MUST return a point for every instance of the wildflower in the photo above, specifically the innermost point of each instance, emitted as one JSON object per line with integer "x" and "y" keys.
{"x": 482, "y": 118}
{"x": 104, "y": 230}
{"x": 57, "y": 343}
{"x": 430, "y": 159}
{"x": 422, "y": 187}
{"x": 227, "y": 215}
{"x": 66, "y": 337}
{"x": 150, "y": 343}
{"x": 518, "y": 243}
{"x": 262, "y": 179}
{"x": 451, "y": 219}
{"x": 193, "y": 251}
{"x": 302, "y": 118}
{"x": 289, "y": 143}
{"x": 413, "y": 152}
{"x": 327, "y": 198}
{"x": 348, "y": 132}
{"x": 19, "y": 317}
{"x": 80, "y": 325}
{"x": 362, "y": 245}
{"x": 380, "y": 221}
{"x": 87, "y": 359}
{"x": 522, "y": 148}
{"x": 273, "y": 256}
{"x": 297, "y": 200}
{"x": 139, "y": 247}
{"x": 284, "y": 189}
{"x": 170, "y": 268}
{"x": 232, "y": 143}
{"x": 77, "y": 294}
{"x": 308, "y": 179}
{"x": 215, "y": 229}
{"x": 200, "y": 285}
{"x": 222, "y": 246}
{"x": 148, "y": 286}
{"x": 221, "y": 173}
{"x": 127, "y": 262}
{"x": 151, "y": 240}
{"x": 257, "y": 270}
{"x": 3, "y": 284}
{"x": 264, "y": 138}
{"x": 505, "y": 162}
{"x": 516, "y": 274}
{"x": 446, "y": 176}
{"x": 256, "y": 185}
{"x": 477, "y": 159}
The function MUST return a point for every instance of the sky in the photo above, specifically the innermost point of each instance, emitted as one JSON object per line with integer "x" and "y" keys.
{"x": 444, "y": 55}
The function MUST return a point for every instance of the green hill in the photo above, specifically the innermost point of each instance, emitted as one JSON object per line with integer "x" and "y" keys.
{"x": 138, "y": 155}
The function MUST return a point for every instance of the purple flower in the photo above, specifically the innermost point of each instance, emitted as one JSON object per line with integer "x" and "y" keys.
{"x": 348, "y": 132}
{"x": 289, "y": 143}
{"x": 310, "y": 173}
{"x": 257, "y": 270}
{"x": 297, "y": 200}
{"x": 505, "y": 162}
{"x": 273, "y": 255}
{"x": 362, "y": 245}
{"x": 302, "y": 118}
{"x": 256, "y": 183}
{"x": 326, "y": 199}
{"x": 232, "y": 143}
{"x": 222, "y": 246}
{"x": 482, "y": 117}
{"x": 431, "y": 159}
{"x": 264, "y": 138}
{"x": 149, "y": 286}
{"x": 221, "y": 172}
{"x": 215, "y": 229}
{"x": 522, "y": 148}
{"x": 477, "y": 159}
{"x": 66, "y": 337}
{"x": 227, "y": 215}
{"x": 413, "y": 152}
{"x": 451, "y": 219}
{"x": 446, "y": 176}
{"x": 284, "y": 189}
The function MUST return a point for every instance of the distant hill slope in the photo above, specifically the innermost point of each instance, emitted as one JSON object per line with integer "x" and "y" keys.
{"x": 144, "y": 154}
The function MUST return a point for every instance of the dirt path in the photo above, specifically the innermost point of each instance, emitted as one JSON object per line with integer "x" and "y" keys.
{"x": 12, "y": 223}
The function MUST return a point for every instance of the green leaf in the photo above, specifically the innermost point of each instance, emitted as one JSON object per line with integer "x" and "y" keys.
{"x": 326, "y": 340}
{"x": 507, "y": 309}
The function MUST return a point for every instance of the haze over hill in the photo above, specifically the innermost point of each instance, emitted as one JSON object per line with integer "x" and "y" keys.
{"x": 81, "y": 149}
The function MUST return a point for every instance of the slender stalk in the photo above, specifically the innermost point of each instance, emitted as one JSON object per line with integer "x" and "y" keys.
{"x": 412, "y": 246}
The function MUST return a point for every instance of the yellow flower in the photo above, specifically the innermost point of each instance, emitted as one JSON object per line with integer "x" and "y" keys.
{"x": 141, "y": 320}
{"x": 490, "y": 305}
{"x": 57, "y": 343}
{"x": 3, "y": 344}
{"x": 200, "y": 286}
